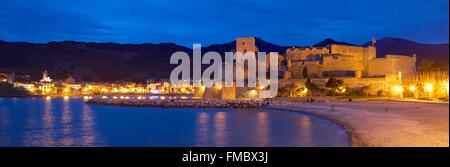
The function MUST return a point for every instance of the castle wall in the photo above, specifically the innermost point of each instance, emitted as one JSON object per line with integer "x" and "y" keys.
{"x": 302, "y": 53}
{"x": 343, "y": 63}
{"x": 392, "y": 64}
{"x": 343, "y": 58}
{"x": 374, "y": 84}
{"x": 360, "y": 56}
{"x": 314, "y": 69}
{"x": 228, "y": 93}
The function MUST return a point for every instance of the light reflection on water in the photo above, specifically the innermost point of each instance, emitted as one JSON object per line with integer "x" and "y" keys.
{"x": 220, "y": 125}
{"x": 262, "y": 132}
{"x": 70, "y": 122}
{"x": 202, "y": 129}
{"x": 305, "y": 124}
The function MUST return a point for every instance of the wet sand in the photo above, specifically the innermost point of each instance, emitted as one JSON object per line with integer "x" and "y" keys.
{"x": 387, "y": 123}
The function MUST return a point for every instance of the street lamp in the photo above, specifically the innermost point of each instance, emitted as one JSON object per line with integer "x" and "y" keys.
{"x": 412, "y": 88}
{"x": 428, "y": 87}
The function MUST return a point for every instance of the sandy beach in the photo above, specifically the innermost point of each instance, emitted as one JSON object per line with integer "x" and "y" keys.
{"x": 387, "y": 123}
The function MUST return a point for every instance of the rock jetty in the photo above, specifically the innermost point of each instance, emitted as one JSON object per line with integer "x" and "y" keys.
{"x": 193, "y": 103}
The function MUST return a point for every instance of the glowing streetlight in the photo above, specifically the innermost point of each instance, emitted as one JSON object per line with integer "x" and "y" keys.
{"x": 445, "y": 84}
{"x": 104, "y": 90}
{"x": 428, "y": 87}
{"x": 398, "y": 89}
{"x": 66, "y": 90}
{"x": 412, "y": 88}
{"x": 219, "y": 86}
{"x": 305, "y": 90}
{"x": 341, "y": 89}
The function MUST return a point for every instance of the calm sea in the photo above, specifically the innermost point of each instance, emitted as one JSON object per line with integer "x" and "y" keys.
{"x": 70, "y": 122}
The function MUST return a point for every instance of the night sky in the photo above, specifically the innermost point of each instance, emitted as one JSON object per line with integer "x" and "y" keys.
{"x": 284, "y": 22}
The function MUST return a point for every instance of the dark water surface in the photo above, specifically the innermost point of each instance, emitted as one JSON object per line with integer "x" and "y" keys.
{"x": 70, "y": 122}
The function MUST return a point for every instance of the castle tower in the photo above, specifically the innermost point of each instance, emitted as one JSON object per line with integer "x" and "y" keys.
{"x": 245, "y": 45}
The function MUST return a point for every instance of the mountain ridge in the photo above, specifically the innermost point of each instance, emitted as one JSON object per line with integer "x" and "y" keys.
{"x": 108, "y": 61}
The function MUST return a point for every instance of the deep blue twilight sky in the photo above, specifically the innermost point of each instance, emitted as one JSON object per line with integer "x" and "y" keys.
{"x": 284, "y": 22}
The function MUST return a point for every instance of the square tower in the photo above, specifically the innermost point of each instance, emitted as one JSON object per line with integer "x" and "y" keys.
{"x": 245, "y": 45}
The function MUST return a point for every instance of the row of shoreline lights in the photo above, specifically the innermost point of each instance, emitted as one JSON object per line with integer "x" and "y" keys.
{"x": 123, "y": 97}
{"x": 428, "y": 87}
{"x": 219, "y": 86}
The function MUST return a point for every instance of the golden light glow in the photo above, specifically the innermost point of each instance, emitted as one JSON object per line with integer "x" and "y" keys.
{"x": 445, "y": 84}
{"x": 104, "y": 90}
{"x": 66, "y": 97}
{"x": 219, "y": 86}
{"x": 428, "y": 87}
{"x": 124, "y": 90}
{"x": 104, "y": 97}
{"x": 341, "y": 89}
{"x": 398, "y": 89}
{"x": 253, "y": 93}
{"x": 66, "y": 90}
{"x": 412, "y": 88}
{"x": 305, "y": 90}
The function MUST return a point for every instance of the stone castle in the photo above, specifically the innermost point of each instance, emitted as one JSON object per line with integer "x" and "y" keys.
{"x": 359, "y": 67}
{"x": 346, "y": 61}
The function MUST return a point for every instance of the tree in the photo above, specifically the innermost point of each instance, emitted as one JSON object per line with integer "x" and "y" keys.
{"x": 334, "y": 84}
{"x": 291, "y": 90}
{"x": 305, "y": 72}
{"x": 427, "y": 65}
{"x": 310, "y": 85}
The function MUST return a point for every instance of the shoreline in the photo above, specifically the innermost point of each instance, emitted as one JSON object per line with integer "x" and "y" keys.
{"x": 354, "y": 140}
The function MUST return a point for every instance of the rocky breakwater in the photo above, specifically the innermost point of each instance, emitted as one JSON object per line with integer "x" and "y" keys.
{"x": 197, "y": 103}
